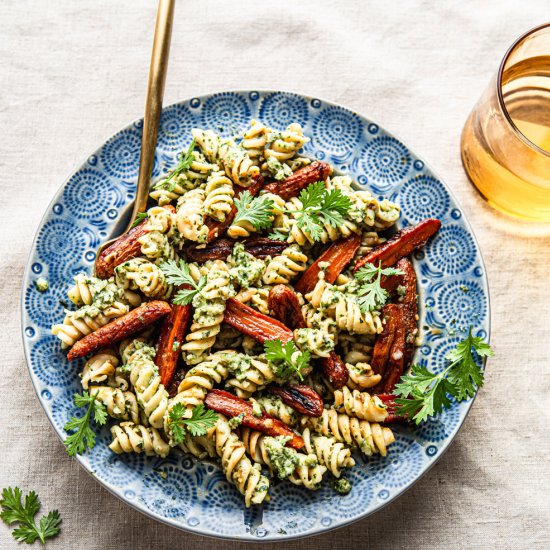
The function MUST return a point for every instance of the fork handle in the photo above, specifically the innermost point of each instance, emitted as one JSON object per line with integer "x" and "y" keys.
{"x": 153, "y": 103}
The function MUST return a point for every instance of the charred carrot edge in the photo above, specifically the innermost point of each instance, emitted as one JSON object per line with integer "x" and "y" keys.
{"x": 123, "y": 249}
{"x": 384, "y": 340}
{"x": 409, "y": 307}
{"x": 301, "y": 398}
{"x": 335, "y": 370}
{"x": 285, "y": 305}
{"x": 130, "y": 323}
{"x": 220, "y": 249}
{"x": 172, "y": 334}
{"x": 396, "y": 359}
{"x": 337, "y": 255}
{"x": 254, "y": 324}
{"x": 291, "y": 186}
{"x": 389, "y": 401}
{"x": 217, "y": 229}
{"x": 401, "y": 244}
{"x": 230, "y": 405}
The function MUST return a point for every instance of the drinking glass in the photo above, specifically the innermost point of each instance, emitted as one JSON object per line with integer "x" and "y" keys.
{"x": 505, "y": 143}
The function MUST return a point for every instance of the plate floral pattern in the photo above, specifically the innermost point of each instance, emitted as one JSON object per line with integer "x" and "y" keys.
{"x": 195, "y": 496}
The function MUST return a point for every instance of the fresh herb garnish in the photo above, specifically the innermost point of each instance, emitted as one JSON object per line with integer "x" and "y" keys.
{"x": 258, "y": 211}
{"x": 179, "y": 274}
{"x": 140, "y": 216}
{"x": 422, "y": 394}
{"x": 184, "y": 164}
{"x": 15, "y": 511}
{"x": 289, "y": 360}
{"x": 371, "y": 295}
{"x": 320, "y": 207}
{"x": 198, "y": 423}
{"x": 278, "y": 235}
{"x": 84, "y": 437}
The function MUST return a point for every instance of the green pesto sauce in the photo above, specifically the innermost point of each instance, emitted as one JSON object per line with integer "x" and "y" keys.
{"x": 246, "y": 268}
{"x": 238, "y": 364}
{"x": 236, "y": 421}
{"x": 342, "y": 486}
{"x": 41, "y": 284}
{"x": 283, "y": 460}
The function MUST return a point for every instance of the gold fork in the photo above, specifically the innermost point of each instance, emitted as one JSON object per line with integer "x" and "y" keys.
{"x": 153, "y": 109}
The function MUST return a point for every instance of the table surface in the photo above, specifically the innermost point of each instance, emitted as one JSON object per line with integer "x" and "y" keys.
{"x": 73, "y": 73}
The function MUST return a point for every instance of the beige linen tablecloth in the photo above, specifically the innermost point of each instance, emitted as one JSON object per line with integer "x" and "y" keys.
{"x": 73, "y": 73}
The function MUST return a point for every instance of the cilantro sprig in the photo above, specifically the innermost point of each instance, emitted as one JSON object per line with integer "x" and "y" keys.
{"x": 319, "y": 208}
{"x": 258, "y": 211}
{"x": 288, "y": 359}
{"x": 198, "y": 423}
{"x": 184, "y": 164}
{"x": 84, "y": 437}
{"x": 140, "y": 216}
{"x": 371, "y": 295}
{"x": 14, "y": 510}
{"x": 178, "y": 274}
{"x": 422, "y": 394}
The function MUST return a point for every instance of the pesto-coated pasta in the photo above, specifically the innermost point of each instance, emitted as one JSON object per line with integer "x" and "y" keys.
{"x": 129, "y": 437}
{"x": 197, "y": 248}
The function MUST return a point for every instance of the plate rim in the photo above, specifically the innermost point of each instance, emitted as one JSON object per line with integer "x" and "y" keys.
{"x": 199, "y": 530}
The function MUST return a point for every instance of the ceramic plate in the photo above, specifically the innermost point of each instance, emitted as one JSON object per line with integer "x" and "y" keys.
{"x": 195, "y": 496}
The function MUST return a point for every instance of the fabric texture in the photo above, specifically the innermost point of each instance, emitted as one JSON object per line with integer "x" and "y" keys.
{"x": 73, "y": 73}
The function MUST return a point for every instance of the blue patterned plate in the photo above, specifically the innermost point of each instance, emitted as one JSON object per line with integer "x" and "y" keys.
{"x": 195, "y": 496}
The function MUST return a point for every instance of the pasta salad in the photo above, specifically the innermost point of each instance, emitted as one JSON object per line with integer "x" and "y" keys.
{"x": 260, "y": 312}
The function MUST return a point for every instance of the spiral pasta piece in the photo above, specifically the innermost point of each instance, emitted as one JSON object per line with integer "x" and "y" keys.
{"x": 219, "y": 196}
{"x": 166, "y": 190}
{"x": 99, "y": 293}
{"x": 315, "y": 319}
{"x": 227, "y": 154}
{"x": 369, "y": 437}
{"x": 120, "y": 404}
{"x": 288, "y": 223}
{"x": 209, "y": 306}
{"x": 283, "y": 268}
{"x": 129, "y": 437}
{"x": 359, "y": 404}
{"x": 198, "y": 381}
{"x": 145, "y": 379}
{"x": 199, "y": 446}
{"x": 303, "y": 470}
{"x": 344, "y": 309}
{"x": 249, "y": 374}
{"x": 329, "y": 452}
{"x": 141, "y": 274}
{"x": 78, "y": 324}
{"x": 254, "y": 141}
{"x": 314, "y": 340}
{"x": 361, "y": 376}
{"x": 99, "y": 368}
{"x": 255, "y": 297}
{"x": 190, "y": 216}
{"x": 274, "y": 406}
{"x": 285, "y": 145}
{"x": 238, "y": 468}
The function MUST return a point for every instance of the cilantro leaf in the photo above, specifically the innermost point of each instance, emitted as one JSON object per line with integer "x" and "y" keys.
{"x": 421, "y": 394}
{"x": 139, "y": 218}
{"x": 184, "y": 164}
{"x": 15, "y": 511}
{"x": 289, "y": 360}
{"x": 371, "y": 295}
{"x": 178, "y": 275}
{"x": 83, "y": 436}
{"x": 319, "y": 208}
{"x": 278, "y": 235}
{"x": 258, "y": 211}
{"x": 464, "y": 373}
{"x": 201, "y": 420}
{"x": 198, "y": 423}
